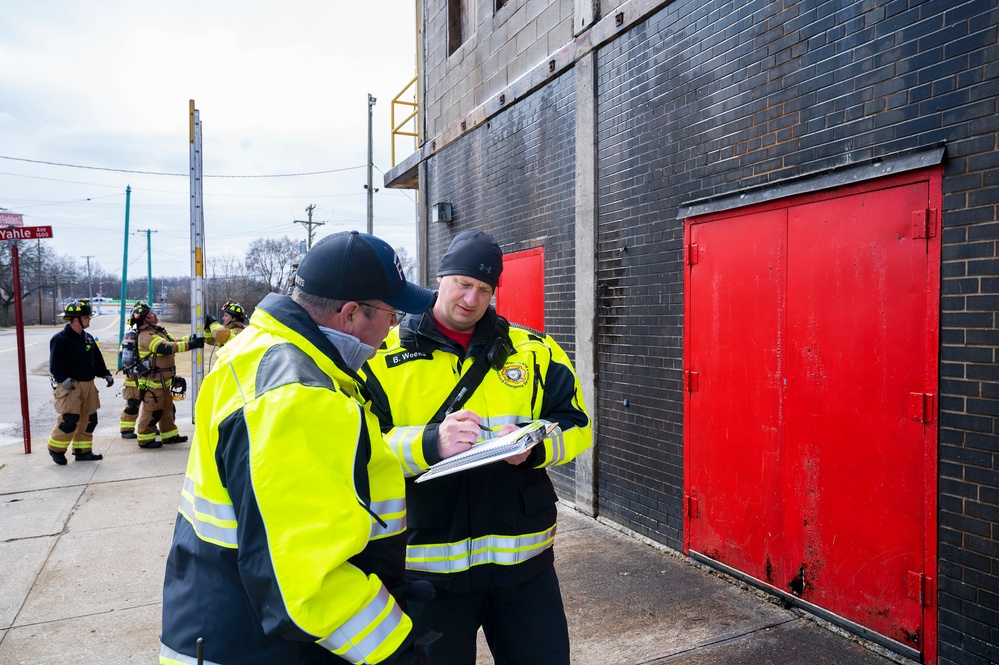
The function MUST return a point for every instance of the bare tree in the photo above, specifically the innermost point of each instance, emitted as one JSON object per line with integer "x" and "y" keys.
{"x": 408, "y": 264}
{"x": 36, "y": 263}
{"x": 270, "y": 261}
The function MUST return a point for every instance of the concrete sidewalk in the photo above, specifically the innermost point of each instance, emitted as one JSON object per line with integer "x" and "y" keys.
{"x": 84, "y": 548}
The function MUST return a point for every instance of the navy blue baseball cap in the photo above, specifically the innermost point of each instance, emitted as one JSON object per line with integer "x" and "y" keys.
{"x": 357, "y": 266}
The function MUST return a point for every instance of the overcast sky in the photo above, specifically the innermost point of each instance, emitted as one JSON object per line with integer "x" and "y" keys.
{"x": 281, "y": 88}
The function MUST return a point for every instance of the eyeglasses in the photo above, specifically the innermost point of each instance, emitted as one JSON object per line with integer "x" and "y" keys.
{"x": 397, "y": 314}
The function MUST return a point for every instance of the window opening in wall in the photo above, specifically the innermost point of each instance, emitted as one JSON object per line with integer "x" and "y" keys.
{"x": 499, "y": 5}
{"x": 459, "y": 23}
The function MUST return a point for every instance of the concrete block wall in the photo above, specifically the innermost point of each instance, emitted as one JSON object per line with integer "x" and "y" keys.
{"x": 506, "y": 44}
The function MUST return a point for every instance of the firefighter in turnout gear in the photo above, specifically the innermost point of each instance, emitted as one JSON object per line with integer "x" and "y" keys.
{"x": 129, "y": 358}
{"x": 74, "y": 362}
{"x": 483, "y": 536}
{"x": 290, "y": 542}
{"x": 157, "y": 349}
{"x": 233, "y": 322}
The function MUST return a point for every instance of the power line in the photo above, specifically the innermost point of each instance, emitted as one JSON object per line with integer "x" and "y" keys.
{"x": 181, "y": 175}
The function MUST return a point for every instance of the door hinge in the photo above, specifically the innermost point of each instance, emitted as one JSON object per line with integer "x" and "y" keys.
{"x": 924, "y": 223}
{"x": 920, "y": 588}
{"x": 921, "y": 407}
{"x": 691, "y": 381}
{"x": 691, "y": 507}
{"x": 692, "y": 254}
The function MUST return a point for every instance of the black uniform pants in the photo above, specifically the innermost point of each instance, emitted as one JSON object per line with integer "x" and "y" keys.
{"x": 524, "y": 625}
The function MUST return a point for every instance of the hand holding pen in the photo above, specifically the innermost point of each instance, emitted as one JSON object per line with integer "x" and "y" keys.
{"x": 458, "y": 432}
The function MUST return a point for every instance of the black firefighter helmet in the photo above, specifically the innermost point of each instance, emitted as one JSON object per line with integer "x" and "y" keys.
{"x": 76, "y": 309}
{"x": 235, "y": 310}
{"x": 139, "y": 312}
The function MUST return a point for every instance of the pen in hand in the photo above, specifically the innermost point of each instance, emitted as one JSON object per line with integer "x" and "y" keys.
{"x": 454, "y": 402}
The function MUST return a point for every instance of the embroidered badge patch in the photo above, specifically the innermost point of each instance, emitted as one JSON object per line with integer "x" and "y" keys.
{"x": 514, "y": 374}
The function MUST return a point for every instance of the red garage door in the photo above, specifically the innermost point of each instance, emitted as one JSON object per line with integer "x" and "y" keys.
{"x": 524, "y": 301}
{"x": 812, "y": 369}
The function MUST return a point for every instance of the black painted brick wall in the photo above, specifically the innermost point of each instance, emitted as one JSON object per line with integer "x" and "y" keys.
{"x": 710, "y": 97}
{"x": 515, "y": 178}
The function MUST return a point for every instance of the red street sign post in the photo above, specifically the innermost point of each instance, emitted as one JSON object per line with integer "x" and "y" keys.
{"x": 16, "y": 231}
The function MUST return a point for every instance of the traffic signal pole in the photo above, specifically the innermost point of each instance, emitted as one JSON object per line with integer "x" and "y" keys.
{"x": 124, "y": 277}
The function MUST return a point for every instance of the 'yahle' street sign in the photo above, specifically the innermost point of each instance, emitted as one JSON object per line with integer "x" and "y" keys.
{"x": 25, "y": 232}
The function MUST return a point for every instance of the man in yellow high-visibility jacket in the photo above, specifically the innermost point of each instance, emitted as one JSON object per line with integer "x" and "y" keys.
{"x": 290, "y": 542}
{"x": 482, "y": 536}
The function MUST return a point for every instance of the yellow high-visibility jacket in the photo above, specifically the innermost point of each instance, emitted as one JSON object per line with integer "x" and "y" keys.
{"x": 494, "y": 524}
{"x": 291, "y": 529}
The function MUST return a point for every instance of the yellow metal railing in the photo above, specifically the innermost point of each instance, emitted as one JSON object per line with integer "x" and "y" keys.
{"x": 397, "y": 127}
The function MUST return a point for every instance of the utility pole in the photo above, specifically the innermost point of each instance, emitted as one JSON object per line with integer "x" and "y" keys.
{"x": 149, "y": 263}
{"x": 371, "y": 161}
{"x": 90, "y": 288}
{"x": 309, "y": 224}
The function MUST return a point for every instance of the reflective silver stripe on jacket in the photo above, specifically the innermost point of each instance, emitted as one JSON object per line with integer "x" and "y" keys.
{"x": 214, "y": 522}
{"x": 558, "y": 448}
{"x": 460, "y": 556}
{"x": 381, "y": 617}
{"x": 393, "y": 513}
{"x": 403, "y": 440}
{"x": 170, "y": 657}
{"x": 491, "y": 425}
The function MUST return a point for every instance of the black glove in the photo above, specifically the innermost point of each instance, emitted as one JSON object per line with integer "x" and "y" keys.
{"x": 110, "y": 380}
{"x": 209, "y": 320}
{"x": 68, "y": 384}
{"x": 420, "y": 591}
{"x": 196, "y": 342}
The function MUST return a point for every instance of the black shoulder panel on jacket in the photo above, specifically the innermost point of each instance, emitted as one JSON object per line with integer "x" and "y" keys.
{"x": 540, "y": 335}
{"x": 283, "y": 364}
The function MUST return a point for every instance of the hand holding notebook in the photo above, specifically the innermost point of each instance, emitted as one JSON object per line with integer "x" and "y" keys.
{"x": 493, "y": 450}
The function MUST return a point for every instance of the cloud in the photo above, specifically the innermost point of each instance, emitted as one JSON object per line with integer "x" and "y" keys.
{"x": 280, "y": 88}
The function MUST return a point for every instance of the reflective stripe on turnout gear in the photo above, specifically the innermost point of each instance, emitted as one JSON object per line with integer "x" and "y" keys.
{"x": 457, "y": 557}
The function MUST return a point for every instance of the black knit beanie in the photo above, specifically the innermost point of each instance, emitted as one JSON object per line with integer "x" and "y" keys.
{"x": 473, "y": 254}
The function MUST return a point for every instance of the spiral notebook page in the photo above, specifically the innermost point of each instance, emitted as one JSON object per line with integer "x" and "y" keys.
{"x": 493, "y": 450}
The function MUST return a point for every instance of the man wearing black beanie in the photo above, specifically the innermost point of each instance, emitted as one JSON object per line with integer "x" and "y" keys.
{"x": 483, "y": 536}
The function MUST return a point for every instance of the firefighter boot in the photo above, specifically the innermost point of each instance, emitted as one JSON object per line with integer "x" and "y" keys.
{"x": 86, "y": 456}
{"x": 175, "y": 439}
{"x": 58, "y": 458}
{"x": 129, "y": 435}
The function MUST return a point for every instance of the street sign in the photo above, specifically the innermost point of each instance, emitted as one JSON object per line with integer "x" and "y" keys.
{"x": 11, "y": 219}
{"x": 25, "y": 232}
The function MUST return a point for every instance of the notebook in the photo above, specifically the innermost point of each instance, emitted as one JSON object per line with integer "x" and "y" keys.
{"x": 493, "y": 450}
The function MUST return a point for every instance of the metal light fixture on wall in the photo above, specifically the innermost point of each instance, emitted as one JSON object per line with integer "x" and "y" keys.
{"x": 442, "y": 212}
